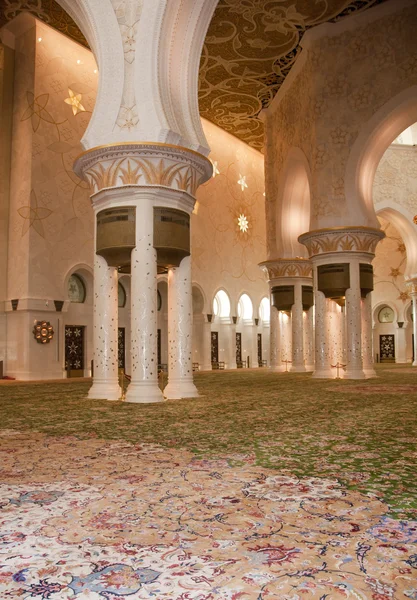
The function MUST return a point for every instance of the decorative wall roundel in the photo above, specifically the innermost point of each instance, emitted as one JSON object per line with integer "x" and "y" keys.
{"x": 43, "y": 332}
{"x": 386, "y": 315}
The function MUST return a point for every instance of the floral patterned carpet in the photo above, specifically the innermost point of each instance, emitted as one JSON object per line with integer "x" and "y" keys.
{"x": 267, "y": 487}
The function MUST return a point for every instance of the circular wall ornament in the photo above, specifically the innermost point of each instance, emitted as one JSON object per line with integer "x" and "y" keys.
{"x": 43, "y": 332}
{"x": 386, "y": 315}
{"x": 76, "y": 289}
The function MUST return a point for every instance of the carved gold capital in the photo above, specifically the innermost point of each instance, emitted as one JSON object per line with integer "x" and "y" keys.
{"x": 287, "y": 267}
{"x": 411, "y": 285}
{"x": 341, "y": 239}
{"x": 143, "y": 164}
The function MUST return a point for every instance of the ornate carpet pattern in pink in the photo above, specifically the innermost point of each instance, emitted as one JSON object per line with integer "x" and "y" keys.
{"x": 93, "y": 519}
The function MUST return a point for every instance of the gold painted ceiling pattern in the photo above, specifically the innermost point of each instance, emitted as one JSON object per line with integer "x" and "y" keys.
{"x": 250, "y": 48}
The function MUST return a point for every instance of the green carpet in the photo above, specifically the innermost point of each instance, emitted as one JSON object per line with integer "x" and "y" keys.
{"x": 362, "y": 433}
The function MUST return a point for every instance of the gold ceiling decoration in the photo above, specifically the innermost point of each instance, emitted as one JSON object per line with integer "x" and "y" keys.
{"x": 250, "y": 48}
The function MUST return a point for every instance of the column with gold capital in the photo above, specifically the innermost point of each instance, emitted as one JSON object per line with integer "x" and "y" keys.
{"x": 412, "y": 290}
{"x": 342, "y": 261}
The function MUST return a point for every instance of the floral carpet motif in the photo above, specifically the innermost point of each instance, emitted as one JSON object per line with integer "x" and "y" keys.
{"x": 97, "y": 519}
{"x": 269, "y": 486}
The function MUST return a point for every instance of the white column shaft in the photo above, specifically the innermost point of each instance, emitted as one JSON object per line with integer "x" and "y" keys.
{"x": 297, "y": 325}
{"x": 180, "y": 329}
{"x": 144, "y": 333}
{"x": 105, "y": 380}
{"x": 367, "y": 345}
{"x": 207, "y": 347}
{"x": 275, "y": 362}
{"x": 322, "y": 368}
{"x": 354, "y": 368}
{"x": 414, "y": 296}
{"x": 309, "y": 338}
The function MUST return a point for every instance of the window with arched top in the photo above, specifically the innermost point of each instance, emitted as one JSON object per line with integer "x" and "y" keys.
{"x": 245, "y": 307}
{"x": 121, "y": 296}
{"x": 76, "y": 289}
{"x": 265, "y": 310}
{"x": 386, "y": 315}
{"x": 221, "y": 304}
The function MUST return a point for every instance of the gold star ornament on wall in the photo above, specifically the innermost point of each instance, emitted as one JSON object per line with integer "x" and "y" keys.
{"x": 74, "y": 101}
{"x": 242, "y": 182}
{"x": 243, "y": 223}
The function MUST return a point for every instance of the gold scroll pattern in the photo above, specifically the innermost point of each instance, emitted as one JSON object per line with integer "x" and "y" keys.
{"x": 145, "y": 171}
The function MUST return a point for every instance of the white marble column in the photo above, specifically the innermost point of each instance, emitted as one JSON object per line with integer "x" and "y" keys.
{"x": 321, "y": 351}
{"x": 275, "y": 362}
{"x": 367, "y": 337}
{"x": 401, "y": 345}
{"x": 144, "y": 332}
{"x": 232, "y": 348}
{"x": 309, "y": 339}
{"x": 180, "y": 329}
{"x": 206, "y": 366}
{"x": 414, "y": 299}
{"x": 354, "y": 366}
{"x": 105, "y": 380}
{"x": 297, "y": 326}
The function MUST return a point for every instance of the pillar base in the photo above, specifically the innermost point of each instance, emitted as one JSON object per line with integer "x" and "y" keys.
{"x": 414, "y": 364}
{"x": 354, "y": 374}
{"x": 324, "y": 374}
{"x": 143, "y": 392}
{"x": 297, "y": 369}
{"x": 175, "y": 390}
{"x": 369, "y": 373}
{"x": 277, "y": 369}
{"x": 105, "y": 390}
{"x": 310, "y": 368}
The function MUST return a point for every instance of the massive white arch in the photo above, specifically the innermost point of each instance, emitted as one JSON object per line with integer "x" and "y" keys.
{"x": 293, "y": 206}
{"x": 148, "y": 57}
{"x": 380, "y": 131}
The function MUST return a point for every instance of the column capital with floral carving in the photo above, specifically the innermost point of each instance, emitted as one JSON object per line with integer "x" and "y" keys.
{"x": 411, "y": 285}
{"x": 143, "y": 164}
{"x": 285, "y": 268}
{"x": 352, "y": 240}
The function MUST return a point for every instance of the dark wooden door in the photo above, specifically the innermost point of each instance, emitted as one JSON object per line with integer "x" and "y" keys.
{"x": 260, "y": 348}
{"x": 238, "y": 347}
{"x": 74, "y": 350}
{"x": 214, "y": 346}
{"x": 121, "y": 348}
{"x": 387, "y": 348}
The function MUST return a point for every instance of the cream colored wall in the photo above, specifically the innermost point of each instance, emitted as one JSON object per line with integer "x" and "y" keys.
{"x": 396, "y": 179}
{"x": 389, "y": 289}
{"x": 223, "y": 255}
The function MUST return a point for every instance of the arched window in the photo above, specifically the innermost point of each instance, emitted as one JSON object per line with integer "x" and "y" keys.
{"x": 221, "y": 304}
{"x": 76, "y": 289}
{"x": 245, "y": 307}
{"x": 121, "y": 296}
{"x": 386, "y": 315}
{"x": 265, "y": 310}
{"x": 159, "y": 300}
